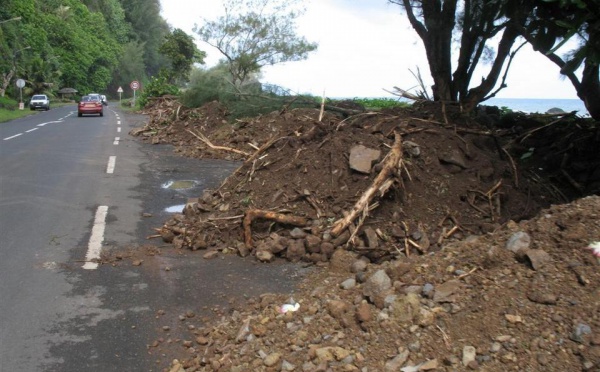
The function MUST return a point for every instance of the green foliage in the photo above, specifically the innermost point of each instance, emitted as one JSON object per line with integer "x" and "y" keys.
{"x": 380, "y": 103}
{"x": 256, "y": 33}
{"x": 158, "y": 86}
{"x": 207, "y": 86}
{"x": 9, "y": 110}
{"x": 182, "y": 52}
{"x": 89, "y": 45}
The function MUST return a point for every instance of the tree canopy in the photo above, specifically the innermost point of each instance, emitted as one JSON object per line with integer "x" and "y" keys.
{"x": 467, "y": 34}
{"x": 477, "y": 25}
{"x": 182, "y": 52}
{"x": 89, "y": 45}
{"x": 551, "y": 24}
{"x": 256, "y": 33}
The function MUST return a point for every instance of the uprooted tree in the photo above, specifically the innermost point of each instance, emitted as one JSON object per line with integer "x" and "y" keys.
{"x": 256, "y": 33}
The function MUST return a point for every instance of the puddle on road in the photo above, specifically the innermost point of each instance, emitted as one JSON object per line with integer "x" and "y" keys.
{"x": 180, "y": 185}
{"x": 175, "y": 208}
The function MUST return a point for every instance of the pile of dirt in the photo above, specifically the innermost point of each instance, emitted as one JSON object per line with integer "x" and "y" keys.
{"x": 431, "y": 273}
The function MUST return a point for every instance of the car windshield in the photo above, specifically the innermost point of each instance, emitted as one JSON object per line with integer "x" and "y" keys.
{"x": 38, "y": 97}
{"x": 90, "y": 99}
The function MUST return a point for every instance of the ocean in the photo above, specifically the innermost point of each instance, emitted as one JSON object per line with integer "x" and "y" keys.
{"x": 539, "y": 105}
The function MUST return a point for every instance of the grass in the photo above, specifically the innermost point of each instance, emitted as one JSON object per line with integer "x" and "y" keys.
{"x": 9, "y": 109}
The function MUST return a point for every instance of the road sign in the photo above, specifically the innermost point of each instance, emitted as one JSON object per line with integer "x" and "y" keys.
{"x": 135, "y": 85}
{"x": 20, "y": 83}
{"x": 120, "y": 90}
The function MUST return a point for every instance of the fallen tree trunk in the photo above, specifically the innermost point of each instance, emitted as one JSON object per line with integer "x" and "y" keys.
{"x": 391, "y": 165}
{"x": 253, "y": 214}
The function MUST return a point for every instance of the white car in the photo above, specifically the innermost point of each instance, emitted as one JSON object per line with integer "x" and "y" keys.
{"x": 39, "y": 101}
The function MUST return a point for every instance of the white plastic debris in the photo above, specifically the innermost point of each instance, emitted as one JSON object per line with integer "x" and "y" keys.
{"x": 595, "y": 247}
{"x": 288, "y": 307}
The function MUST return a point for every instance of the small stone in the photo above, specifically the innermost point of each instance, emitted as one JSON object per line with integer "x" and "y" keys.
{"x": 537, "y": 258}
{"x": 518, "y": 241}
{"x": 166, "y": 328}
{"x": 272, "y": 359}
{"x": 579, "y": 331}
{"x": 446, "y": 291}
{"x": 542, "y": 298}
{"x": 358, "y": 266}
{"x": 496, "y": 347}
{"x": 137, "y": 262}
{"x": 543, "y": 359}
{"x": 469, "y": 353}
{"x": 396, "y": 363}
{"x": 429, "y": 365}
{"x": 264, "y": 256}
{"x": 348, "y": 284}
{"x": 287, "y": 366}
{"x": 363, "y": 312}
{"x": 513, "y": 318}
{"x": 298, "y": 233}
{"x": 210, "y": 255}
{"x": 428, "y": 290}
{"x": 202, "y": 340}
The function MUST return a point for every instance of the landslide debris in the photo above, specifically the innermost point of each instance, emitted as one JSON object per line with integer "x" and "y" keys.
{"x": 436, "y": 273}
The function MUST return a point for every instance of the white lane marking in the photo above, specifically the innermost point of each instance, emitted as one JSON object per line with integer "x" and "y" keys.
{"x": 50, "y": 122}
{"x": 117, "y": 139}
{"x": 95, "y": 243}
{"x": 111, "y": 164}
{"x": 11, "y": 137}
{"x": 31, "y": 130}
{"x": 119, "y": 122}
{"x": 119, "y": 130}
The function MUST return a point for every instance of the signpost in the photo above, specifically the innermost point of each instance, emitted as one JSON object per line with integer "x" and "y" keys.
{"x": 135, "y": 85}
{"x": 20, "y": 85}
{"x": 120, "y": 90}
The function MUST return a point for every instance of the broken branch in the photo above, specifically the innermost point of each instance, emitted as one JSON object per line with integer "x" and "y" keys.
{"x": 390, "y": 166}
{"x": 253, "y": 214}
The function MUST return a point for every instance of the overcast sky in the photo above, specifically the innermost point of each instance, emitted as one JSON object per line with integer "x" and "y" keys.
{"x": 365, "y": 48}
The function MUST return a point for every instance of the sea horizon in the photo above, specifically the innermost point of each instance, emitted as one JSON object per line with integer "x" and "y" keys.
{"x": 525, "y": 105}
{"x": 539, "y": 105}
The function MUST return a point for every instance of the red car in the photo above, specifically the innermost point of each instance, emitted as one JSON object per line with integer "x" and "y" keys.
{"x": 90, "y": 105}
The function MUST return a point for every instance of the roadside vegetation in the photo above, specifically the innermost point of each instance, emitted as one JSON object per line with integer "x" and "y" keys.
{"x": 102, "y": 45}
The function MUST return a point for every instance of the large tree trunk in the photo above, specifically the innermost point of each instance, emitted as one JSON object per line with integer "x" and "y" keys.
{"x": 6, "y": 78}
{"x": 477, "y": 94}
{"x": 589, "y": 90}
{"x": 436, "y": 34}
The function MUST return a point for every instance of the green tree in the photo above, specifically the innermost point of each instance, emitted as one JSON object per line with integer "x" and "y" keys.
{"x": 476, "y": 25}
{"x": 148, "y": 29}
{"x": 130, "y": 66}
{"x": 551, "y": 24}
{"x": 207, "y": 85}
{"x": 256, "y": 33}
{"x": 181, "y": 50}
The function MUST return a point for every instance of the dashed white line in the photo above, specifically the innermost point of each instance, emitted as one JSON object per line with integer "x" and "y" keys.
{"x": 11, "y": 137}
{"x": 31, "y": 130}
{"x": 119, "y": 130}
{"x": 96, "y": 238}
{"x": 111, "y": 164}
{"x": 50, "y": 122}
{"x": 118, "y": 122}
{"x": 117, "y": 139}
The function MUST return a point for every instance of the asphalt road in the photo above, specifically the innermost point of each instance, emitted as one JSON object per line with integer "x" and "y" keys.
{"x": 72, "y": 188}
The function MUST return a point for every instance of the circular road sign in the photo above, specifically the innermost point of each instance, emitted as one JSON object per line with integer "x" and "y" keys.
{"x": 135, "y": 85}
{"x": 20, "y": 83}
